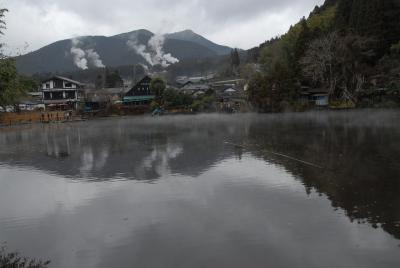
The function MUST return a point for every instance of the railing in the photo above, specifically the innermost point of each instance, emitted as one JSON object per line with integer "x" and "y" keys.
{"x": 56, "y": 101}
{"x": 32, "y": 117}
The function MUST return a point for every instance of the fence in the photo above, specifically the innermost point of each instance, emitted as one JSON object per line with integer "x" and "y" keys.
{"x": 32, "y": 117}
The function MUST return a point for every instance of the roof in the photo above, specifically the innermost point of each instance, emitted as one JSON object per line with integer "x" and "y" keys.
{"x": 28, "y": 103}
{"x": 107, "y": 91}
{"x": 146, "y": 77}
{"x": 196, "y": 87}
{"x": 185, "y": 80}
{"x": 35, "y": 94}
{"x": 228, "y": 81}
{"x": 63, "y": 78}
{"x": 138, "y": 98}
{"x": 315, "y": 91}
{"x": 132, "y": 91}
{"x": 200, "y": 92}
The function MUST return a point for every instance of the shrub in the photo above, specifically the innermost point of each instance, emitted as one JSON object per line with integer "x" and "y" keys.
{"x": 15, "y": 260}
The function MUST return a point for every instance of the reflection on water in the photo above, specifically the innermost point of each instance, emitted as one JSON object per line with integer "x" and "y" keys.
{"x": 205, "y": 191}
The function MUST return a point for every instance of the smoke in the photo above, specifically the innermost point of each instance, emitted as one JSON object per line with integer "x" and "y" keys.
{"x": 83, "y": 57}
{"x": 145, "y": 67}
{"x": 94, "y": 58}
{"x": 78, "y": 55}
{"x": 153, "y": 53}
{"x": 141, "y": 50}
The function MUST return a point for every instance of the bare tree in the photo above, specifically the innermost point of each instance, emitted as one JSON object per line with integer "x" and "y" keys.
{"x": 339, "y": 63}
{"x": 2, "y": 22}
{"x": 2, "y": 27}
{"x": 319, "y": 61}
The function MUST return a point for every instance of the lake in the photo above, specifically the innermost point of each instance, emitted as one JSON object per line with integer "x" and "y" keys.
{"x": 317, "y": 189}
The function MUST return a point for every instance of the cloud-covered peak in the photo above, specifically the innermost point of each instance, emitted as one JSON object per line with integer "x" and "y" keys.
{"x": 240, "y": 23}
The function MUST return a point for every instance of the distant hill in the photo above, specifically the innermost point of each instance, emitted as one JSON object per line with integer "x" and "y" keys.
{"x": 189, "y": 35}
{"x": 114, "y": 51}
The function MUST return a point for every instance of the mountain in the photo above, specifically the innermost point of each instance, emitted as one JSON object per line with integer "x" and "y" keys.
{"x": 189, "y": 35}
{"x": 114, "y": 51}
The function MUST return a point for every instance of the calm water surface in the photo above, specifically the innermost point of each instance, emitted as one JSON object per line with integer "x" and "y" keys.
{"x": 205, "y": 191}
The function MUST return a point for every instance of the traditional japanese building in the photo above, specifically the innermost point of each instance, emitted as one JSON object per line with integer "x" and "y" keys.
{"x": 60, "y": 93}
{"x": 315, "y": 97}
{"x": 140, "y": 94}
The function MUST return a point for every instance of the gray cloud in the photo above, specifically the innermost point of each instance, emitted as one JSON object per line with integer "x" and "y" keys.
{"x": 243, "y": 23}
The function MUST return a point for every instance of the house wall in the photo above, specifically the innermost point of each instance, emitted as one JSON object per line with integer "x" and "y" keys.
{"x": 69, "y": 85}
{"x": 61, "y": 95}
{"x": 321, "y": 100}
{"x": 52, "y": 85}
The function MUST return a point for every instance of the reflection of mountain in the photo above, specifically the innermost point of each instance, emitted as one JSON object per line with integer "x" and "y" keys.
{"x": 362, "y": 169}
{"x": 126, "y": 149}
{"x": 360, "y": 153}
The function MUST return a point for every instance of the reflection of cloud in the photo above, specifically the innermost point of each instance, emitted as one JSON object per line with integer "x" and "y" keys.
{"x": 93, "y": 161}
{"x": 244, "y": 210}
{"x": 87, "y": 161}
{"x": 58, "y": 147}
{"x": 102, "y": 158}
{"x": 47, "y": 193}
{"x": 125, "y": 152}
{"x": 159, "y": 159}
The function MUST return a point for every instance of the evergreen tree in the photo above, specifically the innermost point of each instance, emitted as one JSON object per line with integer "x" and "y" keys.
{"x": 301, "y": 42}
{"x": 343, "y": 14}
{"x": 378, "y": 19}
{"x": 113, "y": 80}
{"x": 157, "y": 86}
{"x": 235, "y": 58}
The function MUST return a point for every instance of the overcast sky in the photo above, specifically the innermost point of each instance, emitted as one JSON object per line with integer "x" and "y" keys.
{"x": 236, "y": 23}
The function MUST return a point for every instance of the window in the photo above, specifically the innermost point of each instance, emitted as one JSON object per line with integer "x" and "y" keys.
{"x": 58, "y": 83}
{"x": 47, "y": 96}
{"x": 68, "y": 85}
{"x": 70, "y": 95}
{"x": 57, "y": 95}
{"x": 47, "y": 85}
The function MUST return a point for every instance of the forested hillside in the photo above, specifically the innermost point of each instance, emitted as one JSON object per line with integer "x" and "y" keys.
{"x": 114, "y": 51}
{"x": 351, "y": 48}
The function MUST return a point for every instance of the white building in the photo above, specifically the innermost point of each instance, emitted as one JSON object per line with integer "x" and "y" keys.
{"x": 60, "y": 93}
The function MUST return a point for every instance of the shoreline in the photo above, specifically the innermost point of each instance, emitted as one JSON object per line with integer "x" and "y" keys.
{"x": 77, "y": 119}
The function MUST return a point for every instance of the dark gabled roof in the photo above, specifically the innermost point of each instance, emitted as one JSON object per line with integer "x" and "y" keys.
{"x": 143, "y": 79}
{"x": 315, "y": 91}
{"x": 131, "y": 92}
{"x": 63, "y": 78}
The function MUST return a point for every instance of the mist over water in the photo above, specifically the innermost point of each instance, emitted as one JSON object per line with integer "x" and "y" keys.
{"x": 205, "y": 191}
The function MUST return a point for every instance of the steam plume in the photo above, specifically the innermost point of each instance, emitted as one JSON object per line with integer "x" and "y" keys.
{"x": 78, "y": 55}
{"x": 81, "y": 57}
{"x": 153, "y": 53}
{"x": 94, "y": 58}
{"x": 141, "y": 50}
{"x": 145, "y": 67}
